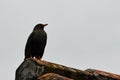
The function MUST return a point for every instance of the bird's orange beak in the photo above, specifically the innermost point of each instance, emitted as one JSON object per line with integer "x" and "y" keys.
{"x": 45, "y": 25}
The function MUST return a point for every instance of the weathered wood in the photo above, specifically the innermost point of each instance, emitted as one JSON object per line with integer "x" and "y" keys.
{"x": 65, "y": 71}
{"x": 31, "y": 69}
{"x": 53, "y": 76}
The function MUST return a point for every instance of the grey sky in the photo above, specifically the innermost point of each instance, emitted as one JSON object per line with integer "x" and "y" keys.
{"x": 81, "y": 33}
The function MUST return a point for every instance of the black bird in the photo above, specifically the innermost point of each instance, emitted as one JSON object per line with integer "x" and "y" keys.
{"x": 36, "y": 42}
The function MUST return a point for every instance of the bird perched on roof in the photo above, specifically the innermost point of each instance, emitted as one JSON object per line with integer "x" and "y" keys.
{"x": 36, "y": 42}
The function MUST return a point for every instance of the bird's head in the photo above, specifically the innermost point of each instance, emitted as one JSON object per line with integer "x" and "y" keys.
{"x": 40, "y": 26}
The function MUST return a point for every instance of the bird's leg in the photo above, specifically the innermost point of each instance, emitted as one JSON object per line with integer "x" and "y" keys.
{"x": 38, "y": 58}
{"x": 30, "y": 56}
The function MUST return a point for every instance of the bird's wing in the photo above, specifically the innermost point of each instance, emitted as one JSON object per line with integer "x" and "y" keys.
{"x": 28, "y": 47}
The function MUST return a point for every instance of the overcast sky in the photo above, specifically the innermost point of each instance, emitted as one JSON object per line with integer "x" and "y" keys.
{"x": 81, "y": 33}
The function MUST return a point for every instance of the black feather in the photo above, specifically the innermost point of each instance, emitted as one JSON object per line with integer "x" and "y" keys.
{"x": 36, "y": 42}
